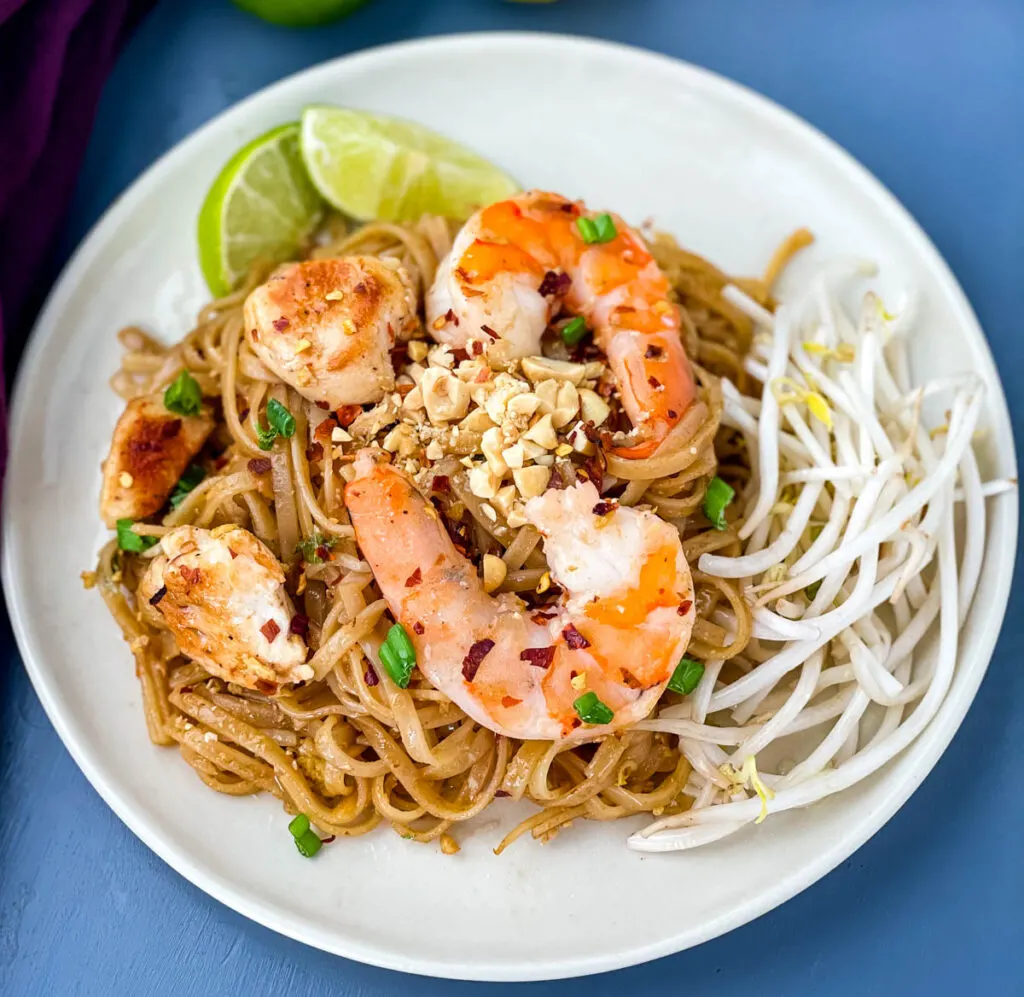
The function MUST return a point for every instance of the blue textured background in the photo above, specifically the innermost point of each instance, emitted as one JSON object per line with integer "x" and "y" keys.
{"x": 929, "y": 94}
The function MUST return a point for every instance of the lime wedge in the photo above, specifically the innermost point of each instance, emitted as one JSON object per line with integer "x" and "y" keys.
{"x": 261, "y": 207}
{"x": 370, "y": 166}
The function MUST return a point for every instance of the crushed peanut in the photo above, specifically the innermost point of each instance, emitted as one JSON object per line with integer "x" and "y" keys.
{"x": 126, "y": 480}
{"x": 494, "y": 572}
{"x": 531, "y": 481}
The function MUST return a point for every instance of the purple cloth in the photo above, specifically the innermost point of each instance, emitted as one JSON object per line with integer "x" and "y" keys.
{"x": 54, "y": 58}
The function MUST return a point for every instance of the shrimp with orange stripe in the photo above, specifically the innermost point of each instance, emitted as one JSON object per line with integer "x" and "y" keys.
{"x": 518, "y": 264}
{"x": 601, "y": 655}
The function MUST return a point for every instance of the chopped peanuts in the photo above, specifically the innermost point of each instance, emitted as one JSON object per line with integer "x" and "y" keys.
{"x": 494, "y": 572}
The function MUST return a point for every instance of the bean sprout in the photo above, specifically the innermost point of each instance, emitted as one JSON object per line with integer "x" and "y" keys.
{"x": 850, "y": 555}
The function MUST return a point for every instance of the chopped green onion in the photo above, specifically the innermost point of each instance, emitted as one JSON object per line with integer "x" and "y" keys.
{"x": 282, "y": 423}
{"x": 400, "y": 641}
{"x": 606, "y": 230}
{"x": 812, "y": 589}
{"x": 192, "y": 476}
{"x": 574, "y": 331}
{"x": 686, "y": 677}
{"x": 280, "y": 418}
{"x": 596, "y": 230}
{"x": 308, "y": 843}
{"x": 716, "y": 498}
{"x": 299, "y": 826}
{"x": 591, "y": 710}
{"x": 398, "y": 656}
{"x": 129, "y": 540}
{"x": 183, "y": 395}
{"x": 587, "y": 229}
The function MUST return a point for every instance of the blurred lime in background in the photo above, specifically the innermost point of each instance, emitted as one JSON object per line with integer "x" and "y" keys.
{"x": 299, "y": 13}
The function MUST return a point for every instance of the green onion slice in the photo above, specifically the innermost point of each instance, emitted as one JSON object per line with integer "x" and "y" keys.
{"x": 308, "y": 843}
{"x": 398, "y": 656}
{"x": 129, "y": 540}
{"x": 596, "y": 230}
{"x": 716, "y": 498}
{"x": 280, "y": 418}
{"x": 591, "y": 710}
{"x": 574, "y": 331}
{"x": 687, "y": 676}
{"x": 183, "y": 395}
{"x": 299, "y": 825}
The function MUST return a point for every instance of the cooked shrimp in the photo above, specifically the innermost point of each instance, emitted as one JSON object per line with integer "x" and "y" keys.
{"x": 519, "y": 263}
{"x": 618, "y": 630}
{"x": 149, "y": 452}
{"x": 327, "y": 327}
{"x": 221, "y": 594}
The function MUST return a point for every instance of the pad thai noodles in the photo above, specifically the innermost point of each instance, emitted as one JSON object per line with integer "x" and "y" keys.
{"x": 536, "y": 507}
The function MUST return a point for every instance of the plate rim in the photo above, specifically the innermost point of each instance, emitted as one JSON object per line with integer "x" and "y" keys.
{"x": 929, "y": 746}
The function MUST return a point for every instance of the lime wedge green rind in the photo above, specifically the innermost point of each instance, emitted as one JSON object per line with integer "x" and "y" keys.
{"x": 299, "y": 13}
{"x": 374, "y": 167}
{"x": 262, "y": 206}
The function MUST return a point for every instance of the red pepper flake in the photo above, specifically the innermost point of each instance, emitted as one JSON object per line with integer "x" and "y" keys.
{"x": 509, "y": 701}
{"x": 414, "y": 579}
{"x": 555, "y": 283}
{"x": 232, "y": 553}
{"x": 323, "y": 431}
{"x": 654, "y": 382}
{"x": 603, "y": 508}
{"x": 220, "y": 462}
{"x": 270, "y": 630}
{"x": 158, "y": 595}
{"x": 629, "y": 680}
{"x": 672, "y": 414}
{"x": 267, "y": 688}
{"x": 185, "y": 688}
{"x": 315, "y": 451}
{"x": 653, "y": 352}
{"x": 574, "y": 638}
{"x": 477, "y": 653}
{"x": 191, "y": 575}
{"x": 450, "y": 316}
{"x": 487, "y": 330}
{"x": 502, "y": 793}
{"x": 418, "y": 629}
{"x": 324, "y": 552}
{"x": 576, "y": 723}
{"x": 259, "y": 465}
{"x": 170, "y": 429}
{"x": 477, "y": 347}
{"x": 684, "y": 607}
{"x": 539, "y": 657}
{"x": 348, "y": 414}
{"x": 539, "y": 618}
{"x": 281, "y": 324}
{"x": 299, "y": 625}
{"x": 328, "y": 839}
{"x": 324, "y": 405}
{"x": 460, "y": 355}
{"x": 360, "y": 288}
{"x": 440, "y": 483}
{"x": 370, "y": 676}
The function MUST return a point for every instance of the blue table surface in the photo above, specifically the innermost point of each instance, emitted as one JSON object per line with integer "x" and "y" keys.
{"x": 929, "y": 94}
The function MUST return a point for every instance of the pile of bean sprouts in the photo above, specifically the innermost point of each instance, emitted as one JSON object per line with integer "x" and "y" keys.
{"x": 851, "y": 551}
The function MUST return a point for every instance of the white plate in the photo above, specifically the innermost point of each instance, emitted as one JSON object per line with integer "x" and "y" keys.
{"x": 730, "y": 174}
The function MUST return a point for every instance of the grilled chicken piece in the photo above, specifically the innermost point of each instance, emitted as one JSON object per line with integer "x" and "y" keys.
{"x": 149, "y": 452}
{"x": 327, "y": 326}
{"x": 221, "y": 594}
